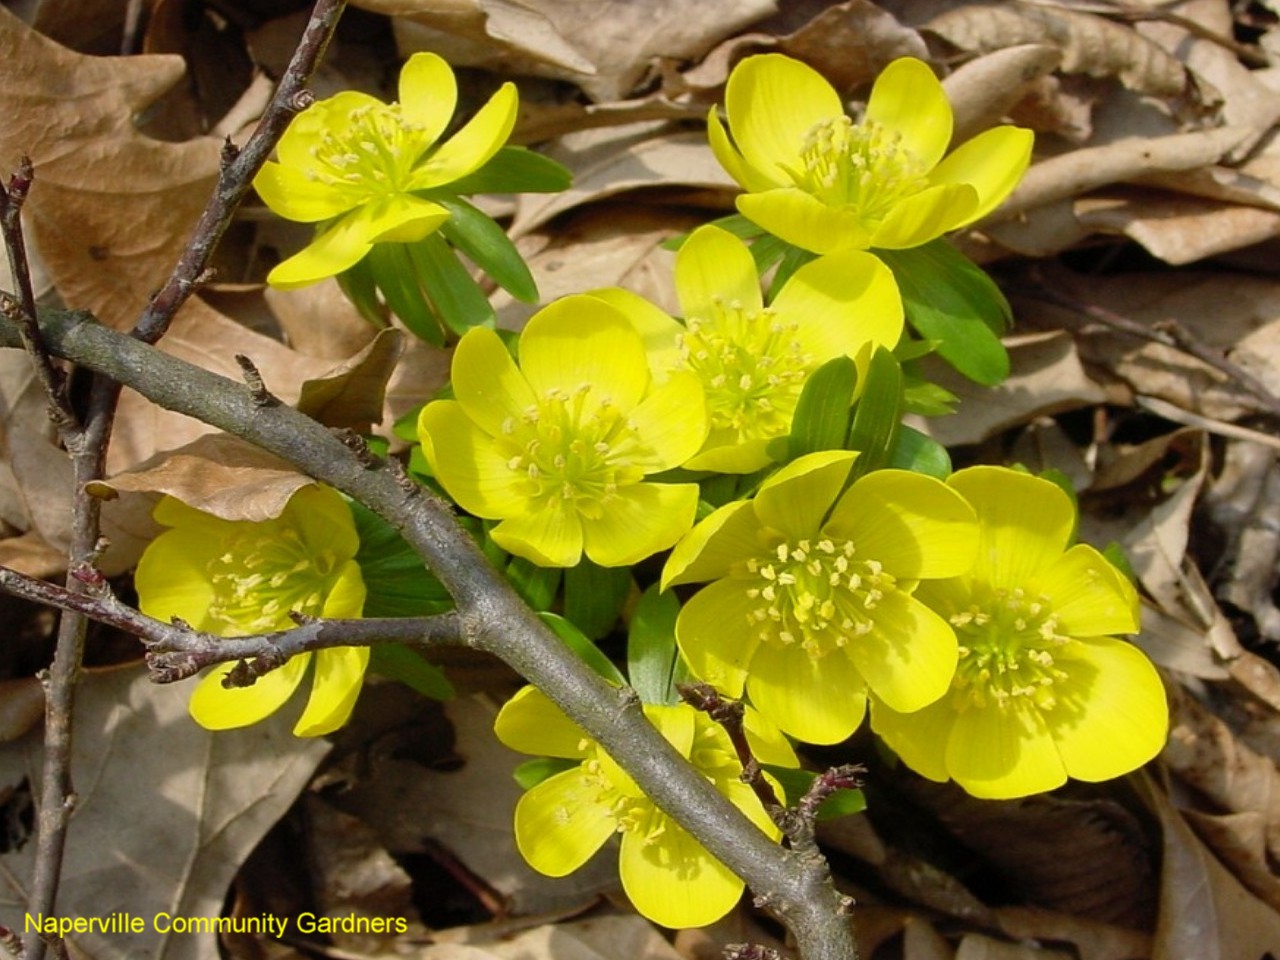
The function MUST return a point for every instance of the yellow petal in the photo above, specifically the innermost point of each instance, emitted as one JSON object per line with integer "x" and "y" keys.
{"x": 915, "y": 525}
{"x": 658, "y": 330}
{"x": 671, "y": 423}
{"x": 805, "y": 221}
{"x": 474, "y": 145}
{"x": 714, "y": 635}
{"x": 549, "y": 534}
{"x": 1024, "y": 523}
{"x": 641, "y": 520}
{"x": 582, "y": 341}
{"x": 428, "y": 94}
{"x": 729, "y": 157}
{"x": 772, "y": 102}
{"x": 992, "y": 163}
{"x": 172, "y": 577}
{"x": 1112, "y": 716}
{"x": 487, "y": 383}
{"x": 215, "y": 707}
{"x": 768, "y": 745}
{"x": 1000, "y": 754}
{"x": 473, "y": 470}
{"x": 291, "y": 194}
{"x": 817, "y": 700}
{"x": 562, "y": 822}
{"x": 727, "y": 536}
{"x": 926, "y": 216}
{"x": 677, "y": 722}
{"x": 840, "y": 303}
{"x": 531, "y": 723}
{"x": 345, "y": 599}
{"x": 323, "y": 519}
{"x": 339, "y": 676}
{"x": 1089, "y": 596}
{"x": 908, "y": 101}
{"x": 723, "y": 454}
{"x": 910, "y": 656}
{"x": 713, "y": 269}
{"x": 673, "y": 881}
{"x": 308, "y": 129}
{"x": 796, "y": 498}
{"x": 919, "y": 738}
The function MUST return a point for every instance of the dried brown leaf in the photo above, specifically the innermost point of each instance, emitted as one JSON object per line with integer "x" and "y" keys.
{"x": 21, "y": 706}
{"x": 1240, "y": 841}
{"x": 1089, "y": 44}
{"x": 985, "y": 89}
{"x": 850, "y": 43}
{"x": 110, "y": 209}
{"x": 166, "y": 811}
{"x": 1092, "y": 939}
{"x": 352, "y": 395}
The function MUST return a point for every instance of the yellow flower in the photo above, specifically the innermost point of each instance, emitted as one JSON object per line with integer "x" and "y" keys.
{"x": 1042, "y": 692}
{"x": 753, "y": 360}
{"x": 371, "y": 167}
{"x": 565, "y": 819}
{"x": 811, "y": 604}
{"x": 558, "y": 447}
{"x": 822, "y": 182}
{"x": 239, "y": 577}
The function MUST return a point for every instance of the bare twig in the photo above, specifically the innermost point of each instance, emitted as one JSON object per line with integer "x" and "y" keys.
{"x": 728, "y": 713}
{"x": 238, "y": 171}
{"x": 22, "y": 311}
{"x": 795, "y": 884}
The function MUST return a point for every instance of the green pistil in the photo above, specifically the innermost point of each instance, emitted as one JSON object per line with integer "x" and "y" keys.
{"x": 816, "y": 594}
{"x": 568, "y": 449}
{"x": 374, "y": 153}
{"x": 752, "y": 365}
{"x": 862, "y": 166}
{"x": 1007, "y": 647}
{"x": 261, "y": 578}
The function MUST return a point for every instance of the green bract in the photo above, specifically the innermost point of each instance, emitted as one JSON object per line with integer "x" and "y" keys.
{"x": 558, "y": 447}
{"x": 811, "y": 602}
{"x": 753, "y": 360}
{"x": 1042, "y": 692}
{"x": 822, "y": 182}
{"x": 240, "y": 577}
{"x": 360, "y": 163}
{"x": 562, "y": 821}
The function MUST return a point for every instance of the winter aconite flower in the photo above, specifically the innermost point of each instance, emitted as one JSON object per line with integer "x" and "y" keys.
{"x": 369, "y": 167}
{"x": 753, "y": 360}
{"x": 811, "y": 602}
{"x": 1043, "y": 691}
{"x": 558, "y": 448}
{"x": 565, "y": 819}
{"x": 823, "y": 182}
{"x": 240, "y": 577}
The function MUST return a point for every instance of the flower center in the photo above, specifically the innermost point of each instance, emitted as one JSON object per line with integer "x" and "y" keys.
{"x": 373, "y": 150}
{"x": 817, "y": 594}
{"x": 1007, "y": 646}
{"x": 261, "y": 577}
{"x": 576, "y": 448}
{"x": 752, "y": 366}
{"x": 863, "y": 166}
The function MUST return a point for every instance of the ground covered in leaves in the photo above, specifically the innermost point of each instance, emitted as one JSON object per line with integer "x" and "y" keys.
{"x": 1139, "y": 256}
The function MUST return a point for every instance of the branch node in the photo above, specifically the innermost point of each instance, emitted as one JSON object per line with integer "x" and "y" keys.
{"x": 357, "y": 445}
{"x": 20, "y": 183}
{"x": 229, "y": 153}
{"x": 750, "y": 951}
{"x": 262, "y": 397}
{"x": 301, "y": 100}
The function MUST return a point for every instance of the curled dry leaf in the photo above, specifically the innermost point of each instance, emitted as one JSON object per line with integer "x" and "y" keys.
{"x": 110, "y": 207}
{"x": 1089, "y": 44}
{"x": 985, "y": 89}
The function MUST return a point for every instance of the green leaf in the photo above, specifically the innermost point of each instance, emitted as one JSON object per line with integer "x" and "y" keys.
{"x": 913, "y": 450}
{"x": 594, "y": 595}
{"x": 536, "y": 585}
{"x": 358, "y": 286}
{"x": 489, "y": 248}
{"x": 587, "y": 651}
{"x": 513, "y": 170}
{"x": 821, "y": 420}
{"x": 406, "y": 665}
{"x": 927, "y": 399}
{"x": 457, "y": 298}
{"x": 652, "y": 656}
{"x": 395, "y": 580}
{"x": 532, "y": 772}
{"x": 950, "y": 299}
{"x": 876, "y": 418}
{"x": 393, "y": 272}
